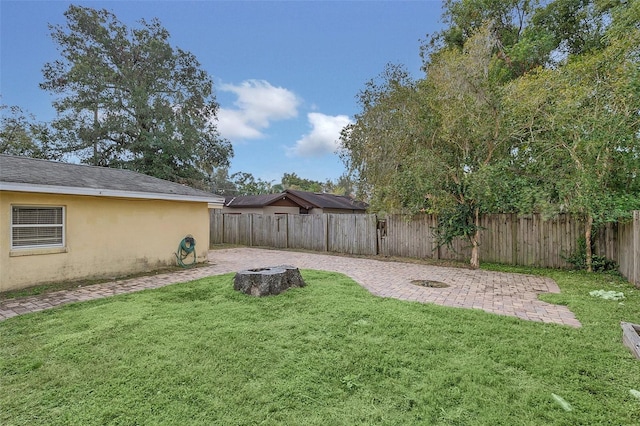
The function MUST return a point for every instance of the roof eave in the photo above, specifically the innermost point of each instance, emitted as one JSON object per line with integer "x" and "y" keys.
{"x": 71, "y": 190}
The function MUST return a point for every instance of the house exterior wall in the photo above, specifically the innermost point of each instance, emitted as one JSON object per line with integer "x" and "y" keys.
{"x": 284, "y": 202}
{"x": 341, "y": 211}
{"x": 262, "y": 210}
{"x": 281, "y": 210}
{"x": 335, "y": 211}
{"x": 104, "y": 237}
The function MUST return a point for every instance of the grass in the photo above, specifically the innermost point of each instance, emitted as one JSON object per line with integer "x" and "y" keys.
{"x": 326, "y": 354}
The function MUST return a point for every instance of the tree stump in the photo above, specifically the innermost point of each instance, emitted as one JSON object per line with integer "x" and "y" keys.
{"x": 268, "y": 281}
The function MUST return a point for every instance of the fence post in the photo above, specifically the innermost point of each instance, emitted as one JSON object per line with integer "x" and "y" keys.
{"x": 635, "y": 275}
{"x": 435, "y": 247}
{"x": 378, "y": 235}
{"x": 514, "y": 239}
{"x": 326, "y": 231}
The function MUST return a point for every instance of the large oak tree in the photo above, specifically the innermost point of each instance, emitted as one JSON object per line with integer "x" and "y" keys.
{"x": 128, "y": 99}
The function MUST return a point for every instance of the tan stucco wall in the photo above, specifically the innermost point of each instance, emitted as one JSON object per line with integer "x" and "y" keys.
{"x": 105, "y": 237}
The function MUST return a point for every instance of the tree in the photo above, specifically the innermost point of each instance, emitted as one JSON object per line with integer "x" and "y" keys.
{"x": 463, "y": 18}
{"x": 247, "y": 184}
{"x": 344, "y": 185}
{"x": 433, "y": 146}
{"x": 243, "y": 183}
{"x": 221, "y": 183}
{"x": 21, "y": 135}
{"x": 522, "y": 110}
{"x": 380, "y": 147}
{"x": 520, "y": 45}
{"x": 580, "y": 133}
{"x": 575, "y": 26}
{"x": 293, "y": 181}
{"x": 129, "y": 99}
{"x": 467, "y": 144}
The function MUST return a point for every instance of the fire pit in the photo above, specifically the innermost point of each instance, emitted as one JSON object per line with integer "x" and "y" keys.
{"x": 268, "y": 281}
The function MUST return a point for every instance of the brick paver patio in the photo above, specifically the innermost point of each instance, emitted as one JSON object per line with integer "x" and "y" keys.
{"x": 494, "y": 292}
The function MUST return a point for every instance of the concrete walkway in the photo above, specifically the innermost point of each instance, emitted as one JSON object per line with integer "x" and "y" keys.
{"x": 494, "y": 292}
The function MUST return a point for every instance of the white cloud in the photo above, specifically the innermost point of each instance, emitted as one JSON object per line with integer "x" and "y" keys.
{"x": 323, "y": 138}
{"x": 233, "y": 124}
{"x": 258, "y": 104}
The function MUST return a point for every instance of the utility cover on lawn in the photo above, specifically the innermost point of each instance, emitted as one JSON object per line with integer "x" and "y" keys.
{"x": 268, "y": 281}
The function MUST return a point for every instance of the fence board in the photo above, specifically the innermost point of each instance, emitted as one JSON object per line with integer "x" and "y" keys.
{"x": 269, "y": 230}
{"x": 237, "y": 229}
{"x": 307, "y": 232}
{"x": 411, "y": 237}
{"x": 352, "y": 233}
{"x": 216, "y": 227}
{"x": 261, "y": 230}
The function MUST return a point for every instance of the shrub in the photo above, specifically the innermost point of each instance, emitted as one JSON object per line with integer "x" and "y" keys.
{"x": 598, "y": 263}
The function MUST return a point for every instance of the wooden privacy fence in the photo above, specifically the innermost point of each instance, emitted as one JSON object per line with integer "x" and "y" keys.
{"x": 340, "y": 233}
{"x": 527, "y": 240}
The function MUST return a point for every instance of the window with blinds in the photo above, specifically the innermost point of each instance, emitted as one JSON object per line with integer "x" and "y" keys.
{"x": 37, "y": 227}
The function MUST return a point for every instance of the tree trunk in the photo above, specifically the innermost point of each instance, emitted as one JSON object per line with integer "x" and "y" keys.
{"x": 587, "y": 236}
{"x": 95, "y": 136}
{"x": 475, "y": 241}
{"x": 268, "y": 281}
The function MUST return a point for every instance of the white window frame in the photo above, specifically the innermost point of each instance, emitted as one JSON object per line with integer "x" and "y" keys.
{"x": 62, "y": 226}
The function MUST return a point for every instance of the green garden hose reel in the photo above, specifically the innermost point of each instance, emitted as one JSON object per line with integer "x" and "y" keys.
{"x": 186, "y": 249}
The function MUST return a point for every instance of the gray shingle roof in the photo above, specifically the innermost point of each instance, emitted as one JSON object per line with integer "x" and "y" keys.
{"x": 307, "y": 200}
{"x": 51, "y": 176}
{"x": 251, "y": 200}
{"x": 329, "y": 201}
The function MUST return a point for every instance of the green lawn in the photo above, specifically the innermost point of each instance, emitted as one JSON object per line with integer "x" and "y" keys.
{"x": 326, "y": 354}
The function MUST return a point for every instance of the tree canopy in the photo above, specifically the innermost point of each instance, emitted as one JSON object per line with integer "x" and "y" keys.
{"x": 128, "y": 99}
{"x": 22, "y": 135}
{"x": 244, "y": 183}
{"x": 524, "y": 107}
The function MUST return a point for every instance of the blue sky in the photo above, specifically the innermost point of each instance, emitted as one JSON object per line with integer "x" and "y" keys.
{"x": 286, "y": 73}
